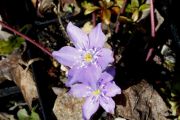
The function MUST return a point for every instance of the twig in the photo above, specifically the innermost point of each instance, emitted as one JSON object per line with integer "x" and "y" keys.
{"x": 65, "y": 35}
{"x": 26, "y": 38}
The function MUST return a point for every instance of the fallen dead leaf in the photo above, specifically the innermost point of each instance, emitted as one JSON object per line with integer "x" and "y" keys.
{"x": 10, "y": 69}
{"x": 141, "y": 102}
{"x": 6, "y": 116}
{"x": 24, "y": 80}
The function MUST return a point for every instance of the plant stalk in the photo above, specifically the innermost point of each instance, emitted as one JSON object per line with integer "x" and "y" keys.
{"x": 26, "y": 38}
{"x": 152, "y": 29}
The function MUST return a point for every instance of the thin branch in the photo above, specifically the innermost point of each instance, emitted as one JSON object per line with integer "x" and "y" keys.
{"x": 26, "y": 38}
{"x": 65, "y": 35}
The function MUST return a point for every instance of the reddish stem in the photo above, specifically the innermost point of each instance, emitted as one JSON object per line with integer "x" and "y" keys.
{"x": 152, "y": 29}
{"x": 123, "y": 7}
{"x": 94, "y": 19}
{"x": 117, "y": 20}
{"x": 152, "y": 18}
{"x": 26, "y": 38}
{"x": 117, "y": 27}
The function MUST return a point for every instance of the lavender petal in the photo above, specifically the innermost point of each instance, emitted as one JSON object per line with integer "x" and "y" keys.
{"x": 90, "y": 106}
{"x": 87, "y": 75}
{"x": 111, "y": 70}
{"x": 91, "y": 75}
{"x": 80, "y": 90}
{"x": 78, "y": 37}
{"x": 111, "y": 89}
{"x": 105, "y": 78}
{"x": 107, "y": 103}
{"x": 67, "y": 56}
{"x": 105, "y": 57}
{"x": 74, "y": 76}
{"x": 97, "y": 37}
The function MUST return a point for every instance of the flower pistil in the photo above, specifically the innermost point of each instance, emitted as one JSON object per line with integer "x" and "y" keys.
{"x": 96, "y": 92}
{"x": 88, "y": 57}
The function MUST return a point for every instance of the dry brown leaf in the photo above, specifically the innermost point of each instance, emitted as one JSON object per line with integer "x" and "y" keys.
{"x": 141, "y": 102}
{"x": 67, "y": 107}
{"x": 6, "y": 65}
{"x": 10, "y": 69}
{"x": 25, "y": 82}
{"x": 6, "y": 116}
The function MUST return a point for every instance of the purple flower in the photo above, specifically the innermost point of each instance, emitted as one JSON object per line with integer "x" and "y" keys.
{"x": 96, "y": 95}
{"x": 88, "y": 57}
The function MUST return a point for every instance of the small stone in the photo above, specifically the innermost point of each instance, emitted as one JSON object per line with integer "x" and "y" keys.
{"x": 67, "y": 107}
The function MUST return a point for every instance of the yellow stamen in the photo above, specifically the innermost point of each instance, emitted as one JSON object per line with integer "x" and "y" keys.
{"x": 88, "y": 57}
{"x": 96, "y": 92}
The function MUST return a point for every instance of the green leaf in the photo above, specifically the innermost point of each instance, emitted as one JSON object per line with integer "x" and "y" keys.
{"x": 129, "y": 9}
{"x": 144, "y": 7}
{"x": 89, "y": 7}
{"x": 34, "y": 116}
{"x": 134, "y": 3}
{"x": 142, "y": 1}
{"x": 22, "y": 114}
{"x": 8, "y": 46}
{"x": 135, "y": 15}
{"x": 119, "y": 3}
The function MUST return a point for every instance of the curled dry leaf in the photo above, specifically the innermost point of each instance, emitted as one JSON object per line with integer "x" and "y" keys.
{"x": 66, "y": 6}
{"x": 67, "y": 107}
{"x": 45, "y": 6}
{"x": 10, "y": 69}
{"x": 141, "y": 102}
{"x": 24, "y": 80}
{"x": 160, "y": 19}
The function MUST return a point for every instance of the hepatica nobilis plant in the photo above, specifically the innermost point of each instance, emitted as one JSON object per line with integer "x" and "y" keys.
{"x": 88, "y": 61}
{"x": 88, "y": 57}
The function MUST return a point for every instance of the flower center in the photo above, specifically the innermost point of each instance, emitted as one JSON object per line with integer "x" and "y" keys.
{"x": 96, "y": 92}
{"x": 88, "y": 57}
